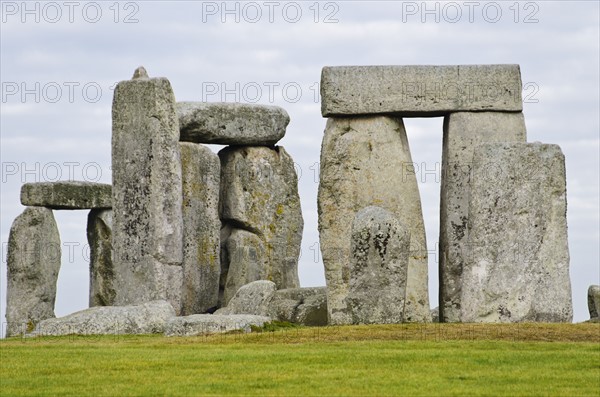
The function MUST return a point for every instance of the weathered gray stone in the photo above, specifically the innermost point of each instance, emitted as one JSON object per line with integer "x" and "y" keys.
{"x": 231, "y": 123}
{"x": 102, "y": 272}
{"x": 419, "y": 90}
{"x": 259, "y": 193}
{"x": 32, "y": 269}
{"x": 378, "y": 267}
{"x": 517, "y": 267}
{"x": 463, "y": 131}
{"x": 594, "y": 301}
{"x": 204, "y": 324}
{"x": 201, "y": 173}
{"x": 435, "y": 315}
{"x": 67, "y": 195}
{"x": 147, "y": 193}
{"x": 252, "y": 298}
{"x": 366, "y": 161}
{"x": 306, "y": 306}
{"x": 147, "y": 318}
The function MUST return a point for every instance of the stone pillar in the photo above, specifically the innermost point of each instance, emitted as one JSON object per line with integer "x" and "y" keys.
{"x": 366, "y": 161}
{"x": 593, "y": 299}
{"x": 517, "y": 264}
{"x": 201, "y": 173}
{"x": 102, "y": 272}
{"x": 147, "y": 192}
{"x": 463, "y": 131}
{"x": 33, "y": 263}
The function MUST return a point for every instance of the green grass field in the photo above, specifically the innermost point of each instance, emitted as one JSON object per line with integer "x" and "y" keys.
{"x": 387, "y": 360}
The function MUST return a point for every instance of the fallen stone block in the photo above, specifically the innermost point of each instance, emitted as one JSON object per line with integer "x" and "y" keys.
{"x": 253, "y": 298}
{"x": 305, "y": 306}
{"x": 67, "y": 195}
{"x": 204, "y": 324}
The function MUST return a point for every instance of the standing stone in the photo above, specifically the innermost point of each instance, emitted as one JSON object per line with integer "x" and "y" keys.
{"x": 462, "y": 133}
{"x": 33, "y": 263}
{"x": 366, "y": 161}
{"x": 378, "y": 267}
{"x": 517, "y": 267}
{"x": 200, "y": 169}
{"x": 147, "y": 193}
{"x": 259, "y": 194}
{"x": 102, "y": 272}
{"x": 594, "y": 302}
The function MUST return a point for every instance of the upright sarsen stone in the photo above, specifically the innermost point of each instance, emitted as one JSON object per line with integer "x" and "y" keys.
{"x": 593, "y": 299}
{"x": 517, "y": 268}
{"x": 463, "y": 131}
{"x": 102, "y": 272}
{"x": 147, "y": 192}
{"x": 366, "y": 161}
{"x": 32, "y": 269}
{"x": 201, "y": 172}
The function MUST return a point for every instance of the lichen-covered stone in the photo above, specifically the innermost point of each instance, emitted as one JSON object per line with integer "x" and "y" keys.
{"x": 378, "y": 267}
{"x": 147, "y": 318}
{"x": 305, "y": 306}
{"x": 67, "y": 195}
{"x": 463, "y": 131}
{"x": 259, "y": 194}
{"x": 147, "y": 193}
{"x": 593, "y": 299}
{"x": 33, "y": 263}
{"x": 366, "y": 161}
{"x": 205, "y": 324}
{"x": 102, "y": 272}
{"x": 517, "y": 267}
{"x": 231, "y": 123}
{"x": 201, "y": 242}
{"x": 252, "y": 298}
{"x": 417, "y": 90}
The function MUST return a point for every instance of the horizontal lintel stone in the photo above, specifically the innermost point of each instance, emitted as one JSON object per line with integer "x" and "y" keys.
{"x": 67, "y": 195}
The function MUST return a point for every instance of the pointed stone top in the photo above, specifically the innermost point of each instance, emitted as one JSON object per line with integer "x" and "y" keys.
{"x": 140, "y": 73}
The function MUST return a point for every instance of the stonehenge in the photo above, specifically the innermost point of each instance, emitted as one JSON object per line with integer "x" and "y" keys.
{"x": 187, "y": 241}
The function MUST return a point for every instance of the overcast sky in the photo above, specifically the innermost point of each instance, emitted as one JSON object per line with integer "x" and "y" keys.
{"x": 60, "y": 61}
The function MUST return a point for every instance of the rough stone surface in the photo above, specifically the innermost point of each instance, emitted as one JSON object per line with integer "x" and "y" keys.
{"x": 147, "y": 193}
{"x": 33, "y": 263}
{"x": 435, "y": 315}
{"x": 517, "y": 267}
{"x": 67, "y": 195}
{"x": 419, "y": 90}
{"x": 203, "y": 324}
{"x": 201, "y": 224}
{"x": 366, "y": 161}
{"x": 259, "y": 194}
{"x": 253, "y": 298}
{"x": 231, "y": 123}
{"x": 463, "y": 131}
{"x": 147, "y": 318}
{"x": 378, "y": 267}
{"x": 102, "y": 272}
{"x": 594, "y": 301}
{"x": 306, "y": 306}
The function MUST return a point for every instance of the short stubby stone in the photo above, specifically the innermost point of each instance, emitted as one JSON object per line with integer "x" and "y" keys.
{"x": 34, "y": 253}
{"x": 435, "y": 315}
{"x": 594, "y": 301}
{"x": 201, "y": 173}
{"x": 231, "y": 123}
{"x": 252, "y": 298}
{"x": 259, "y": 194}
{"x": 205, "y": 324}
{"x": 379, "y": 254}
{"x": 147, "y": 193}
{"x": 463, "y": 132}
{"x": 419, "y": 90}
{"x": 517, "y": 266}
{"x": 102, "y": 272}
{"x": 67, "y": 195}
{"x": 366, "y": 161}
{"x": 147, "y": 318}
{"x": 305, "y": 306}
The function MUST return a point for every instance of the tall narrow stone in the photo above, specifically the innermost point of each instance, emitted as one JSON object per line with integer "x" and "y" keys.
{"x": 102, "y": 272}
{"x": 366, "y": 161}
{"x": 517, "y": 267}
{"x": 378, "y": 267}
{"x": 462, "y": 133}
{"x": 33, "y": 264}
{"x": 147, "y": 192}
{"x": 201, "y": 172}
